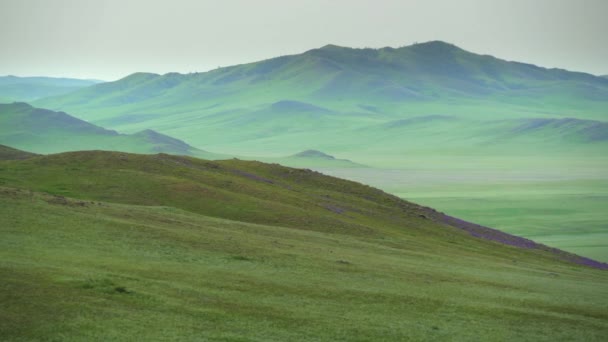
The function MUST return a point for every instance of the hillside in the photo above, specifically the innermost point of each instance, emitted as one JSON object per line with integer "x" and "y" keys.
{"x": 331, "y": 94}
{"x": 508, "y": 144}
{"x": 44, "y": 131}
{"x": 235, "y": 250}
{"x": 248, "y": 191}
{"x": 13, "y": 88}
{"x": 9, "y": 153}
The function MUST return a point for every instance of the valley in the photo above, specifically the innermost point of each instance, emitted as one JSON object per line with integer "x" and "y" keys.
{"x": 429, "y": 122}
{"x": 278, "y": 171}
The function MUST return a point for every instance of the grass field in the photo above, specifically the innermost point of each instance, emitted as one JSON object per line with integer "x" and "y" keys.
{"x": 559, "y": 201}
{"x": 569, "y": 215}
{"x": 103, "y": 246}
{"x": 505, "y": 144}
{"x": 79, "y": 270}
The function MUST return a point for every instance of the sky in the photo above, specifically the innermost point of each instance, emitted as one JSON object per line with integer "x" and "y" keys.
{"x": 110, "y": 39}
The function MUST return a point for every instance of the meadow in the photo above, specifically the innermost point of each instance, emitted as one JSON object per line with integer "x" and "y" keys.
{"x": 115, "y": 272}
{"x": 557, "y": 200}
{"x": 509, "y": 145}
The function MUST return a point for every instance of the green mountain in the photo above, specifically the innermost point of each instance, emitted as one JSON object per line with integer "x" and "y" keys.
{"x": 13, "y": 88}
{"x": 116, "y": 246}
{"x": 324, "y": 98}
{"x": 44, "y": 131}
{"x": 434, "y": 122}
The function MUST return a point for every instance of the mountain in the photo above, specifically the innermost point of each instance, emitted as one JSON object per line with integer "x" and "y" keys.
{"x": 313, "y": 154}
{"x": 116, "y": 246}
{"x": 282, "y": 104}
{"x": 314, "y": 159}
{"x": 13, "y": 88}
{"x": 44, "y": 131}
{"x": 431, "y": 119}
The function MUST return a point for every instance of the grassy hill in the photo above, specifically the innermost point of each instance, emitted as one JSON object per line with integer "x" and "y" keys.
{"x": 9, "y": 153}
{"x": 422, "y": 115}
{"x": 13, "y": 88}
{"x": 116, "y": 246}
{"x": 44, "y": 131}
{"x": 339, "y": 99}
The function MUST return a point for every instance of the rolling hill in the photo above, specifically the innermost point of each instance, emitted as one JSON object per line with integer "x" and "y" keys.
{"x": 124, "y": 246}
{"x": 9, "y": 153}
{"x": 330, "y": 95}
{"x": 516, "y": 141}
{"x": 44, "y": 131}
{"x": 13, "y": 88}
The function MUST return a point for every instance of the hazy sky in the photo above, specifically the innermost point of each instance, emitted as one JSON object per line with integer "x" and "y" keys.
{"x": 109, "y": 39}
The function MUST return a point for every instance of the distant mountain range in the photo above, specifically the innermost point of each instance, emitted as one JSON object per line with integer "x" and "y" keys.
{"x": 339, "y": 99}
{"x": 44, "y": 131}
{"x": 13, "y": 88}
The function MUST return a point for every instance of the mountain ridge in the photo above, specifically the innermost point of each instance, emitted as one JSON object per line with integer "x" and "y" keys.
{"x": 15, "y": 88}
{"x": 395, "y": 81}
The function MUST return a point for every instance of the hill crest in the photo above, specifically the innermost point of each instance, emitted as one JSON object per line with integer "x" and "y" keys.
{"x": 293, "y": 198}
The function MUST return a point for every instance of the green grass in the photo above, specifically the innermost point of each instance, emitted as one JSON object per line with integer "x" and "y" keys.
{"x": 185, "y": 249}
{"x": 424, "y": 107}
{"x": 567, "y": 215}
{"x": 556, "y": 200}
{"x": 103, "y": 271}
{"x": 175, "y": 248}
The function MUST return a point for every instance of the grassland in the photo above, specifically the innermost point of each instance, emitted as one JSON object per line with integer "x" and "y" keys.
{"x": 125, "y": 247}
{"x": 558, "y": 200}
{"x": 114, "y": 246}
{"x": 431, "y": 111}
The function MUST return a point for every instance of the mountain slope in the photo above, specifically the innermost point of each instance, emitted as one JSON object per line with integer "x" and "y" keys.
{"x": 123, "y": 246}
{"x": 283, "y": 103}
{"x": 9, "y": 153}
{"x": 45, "y": 131}
{"x": 13, "y": 88}
{"x": 247, "y": 191}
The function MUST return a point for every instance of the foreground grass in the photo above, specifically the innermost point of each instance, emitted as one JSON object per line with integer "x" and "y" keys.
{"x": 82, "y": 270}
{"x": 114, "y": 246}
